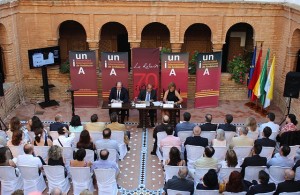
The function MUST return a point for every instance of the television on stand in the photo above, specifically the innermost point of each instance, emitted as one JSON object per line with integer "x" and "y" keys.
{"x": 42, "y": 58}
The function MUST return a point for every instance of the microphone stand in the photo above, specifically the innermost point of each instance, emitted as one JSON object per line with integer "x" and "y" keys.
{"x": 72, "y": 99}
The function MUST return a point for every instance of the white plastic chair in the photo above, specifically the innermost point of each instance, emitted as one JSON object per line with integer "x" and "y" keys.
{"x": 56, "y": 178}
{"x": 9, "y": 180}
{"x": 170, "y": 171}
{"x": 210, "y": 135}
{"x": 113, "y": 155}
{"x": 252, "y": 135}
{"x": 31, "y": 135}
{"x": 297, "y": 174}
{"x": 267, "y": 193}
{"x": 184, "y": 134}
{"x": 289, "y": 193}
{"x": 228, "y": 136}
{"x": 267, "y": 152}
{"x": 232, "y": 193}
{"x": 193, "y": 153}
{"x": 41, "y": 151}
{"x": 220, "y": 153}
{"x": 224, "y": 173}
{"x": 81, "y": 178}
{"x": 177, "y": 192}
{"x": 160, "y": 136}
{"x": 206, "y": 192}
{"x": 16, "y": 150}
{"x": 242, "y": 151}
{"x": 33, "y": 181}
{"x": 106, "y": 181}
{"x": 293, "y": 152}
{"x": 90, "y": 154}
{"x": 53, "y": 134}
{"x": 96, "y": 136}
{"x": 277, "y": 174}
{"x": 272, "y": 136}
{"x": 251, "y": 172}
{"x": 199, "y": 173}
{"x": 119, "y": 137}
{"x": 166, "y": 151}
{"x": 77, "y": 136}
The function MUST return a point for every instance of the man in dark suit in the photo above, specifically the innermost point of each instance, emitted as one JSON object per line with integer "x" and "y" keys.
{"x": 58, "y": 123}
{"x": 119, "y": 93}
{"x": 265, "y": 141}
{"x": 254, "y": 160}
{"x": 180, "y": 182}
{"x": 207, "y": 126}
{"x": 195, "y": 140}
{"x": 159, "y": 128}
{"x": 149, "y": 95}
{"x": 289, "y": 185}
{"x": 228, "y": 126}
{"x": 264, "y": 186}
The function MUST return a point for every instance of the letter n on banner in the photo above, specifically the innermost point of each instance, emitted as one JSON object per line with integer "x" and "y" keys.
{"x": 114, "y": 66}
{"x": 208, "y": 79}
{"x": 84, "y": 78}
{"x": 145, "y": 64}
{"x": 174, "y": 68}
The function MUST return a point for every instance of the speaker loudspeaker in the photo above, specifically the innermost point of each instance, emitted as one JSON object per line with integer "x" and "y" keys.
{"x": 292, "y": 85}
{"x": 1, "y": 85}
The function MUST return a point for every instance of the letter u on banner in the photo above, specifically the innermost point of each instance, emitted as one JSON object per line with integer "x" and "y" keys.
{"x": 208, "y": 79}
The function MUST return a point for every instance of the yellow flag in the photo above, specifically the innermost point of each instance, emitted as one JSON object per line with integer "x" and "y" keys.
{"x": 269, "y": 87}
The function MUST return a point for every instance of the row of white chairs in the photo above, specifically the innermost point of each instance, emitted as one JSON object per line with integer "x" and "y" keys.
{"x": 216, "y": 192}
{"x": 30, "y": 180}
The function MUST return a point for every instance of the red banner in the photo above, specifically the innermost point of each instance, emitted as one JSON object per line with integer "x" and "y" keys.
{"x": 84, "y": 78}
{"x": 174, "y": 68}
{"x": 114, "y": 66}
{"x": 208, "y": 80}
{"x": 145, "y": 64}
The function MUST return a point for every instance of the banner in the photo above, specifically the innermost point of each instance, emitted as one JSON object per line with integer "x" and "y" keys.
{"x": 114, "y": 67}
{"x": 84, "y": 78}
{"x": 174, "y": 68}
{"x": 208, "y": 79}
{"x": 145, "y": 65}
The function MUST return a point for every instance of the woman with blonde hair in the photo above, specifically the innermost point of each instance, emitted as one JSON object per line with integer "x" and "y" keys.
{"x": 55, "y": 157}
{"x": 251, "y": 125}
{"x": 220, "y": 138}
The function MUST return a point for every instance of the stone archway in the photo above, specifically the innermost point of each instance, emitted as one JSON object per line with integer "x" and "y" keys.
{"x": 197, "y": 37}
{"x": 294, "y": 51}
{"x": 72, "y": 36}
{"x": 155, "y": 35}
{"x": 239, "y": 41}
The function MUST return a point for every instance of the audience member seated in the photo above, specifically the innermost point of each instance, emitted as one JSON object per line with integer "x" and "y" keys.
{"x": 265, "y": 141}
{"x": 235, "y": 183}
{"x": 291, "y": 124}
{"x": 18, "y": 192}
{"x": 56, "y": 191}
{"x": 103, "y": 163}
{"x": 16, "y": 139}
{"x": 94, "y": 125}
{"x": 15, "y": 125}
{"x": 62, "y": 140}
{"x": 185, "y": 125}
{"x": 196, "y": 139}
{"x": 228, "y": 126}
{"x": 220, "y": 138}
{"x": 170, "y": 140}
{"x": 115, "y": 125}
{"x": 242, "y": 139}
{"x": 36, "y": 123}
{"x": 86, "y": 192}
{"x": 79, "y": 159}
{"x": 207, "y": 161}
{"x": 159, "y": 128}
{"x": 174, "y": 158}
{"x": 41, "y": 139}
{"x": 55, "y": 157}
{"x": 106, "y": 142}
{"x": 85, "y": 141}
{"x": 252, "y": 128}
{"x": 6, "y": 158}
{"x": 180, "y": 182}
{"x": 230, "y": 159}
{"x": 209, "y": 181}
{"x": 58, "y": 123}
{"x": 281, "y": 159}
{"x": 208, "y": 126}
{"x": 254, "y": 160}
{"x": 289, "y": 185}
{"x": 297, "y": 164}
{"x": 271, "y": 118}
{"x": 264, "y": 186}
{"x": 75, "y": 124}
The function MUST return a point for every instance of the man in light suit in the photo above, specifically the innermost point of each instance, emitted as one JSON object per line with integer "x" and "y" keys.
{"x": 149, "y": 94}
{"x": 242, "y": 139}
{"x": 94, "y": 125}
{"x": 119, "y": 93}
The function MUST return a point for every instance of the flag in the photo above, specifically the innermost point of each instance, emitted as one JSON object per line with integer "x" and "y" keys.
{"x": 259, "y": 89}
{"x": 251, "y": 71}
{"x": 255, "y": 75}
{"x": 269, "y": 88}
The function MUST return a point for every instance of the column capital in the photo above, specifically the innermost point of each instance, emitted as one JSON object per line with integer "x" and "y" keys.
{"x": 93, "y": 45}
{"x": 217, "y": 46}
{"x": 135, "y": 44}
{"x": 7, "y": 47}
{"x": 176, "y": 47}
{"x": 52, "y": 42}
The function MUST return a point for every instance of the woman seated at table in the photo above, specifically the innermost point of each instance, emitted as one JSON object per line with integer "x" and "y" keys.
{"x": 171, "y": 95}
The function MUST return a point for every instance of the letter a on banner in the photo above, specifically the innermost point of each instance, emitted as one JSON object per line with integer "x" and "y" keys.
{"x": 84, "y": 78}
{"x": 208, "y": 79}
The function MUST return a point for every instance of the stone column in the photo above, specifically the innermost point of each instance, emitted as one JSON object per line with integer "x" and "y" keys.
{"x": 135, "y": 44}
{"x": 217, "y": 47}
{"x": 94, "y": 46}
{"x": 52, "y": 42}
{"x": 9, "y": 59}
{"x": 176, "y": 47}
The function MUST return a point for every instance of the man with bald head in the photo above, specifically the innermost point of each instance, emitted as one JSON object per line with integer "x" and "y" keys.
{"x": 208, "y": 126}
{"x": 195, "y": 140}
{"x": 289, "y": 185}
{"x": 28, "y": 159}
{"x": 159, "y": 128}
{"x": 103, "y": 163}
{"x": 180, "y": 182}
{"x": 58, "y": 123}
{"x": 56, "y": 191}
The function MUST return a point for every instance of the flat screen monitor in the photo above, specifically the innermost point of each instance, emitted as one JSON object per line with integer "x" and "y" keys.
{"x": 44, "y": 57}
